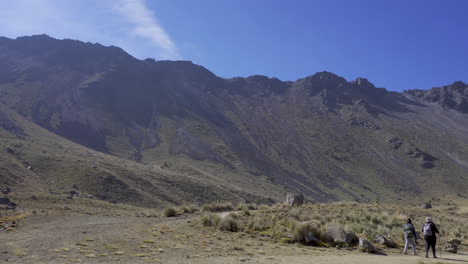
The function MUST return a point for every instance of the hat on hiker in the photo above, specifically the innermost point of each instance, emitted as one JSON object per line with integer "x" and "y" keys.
{"x": 428, "y": 219}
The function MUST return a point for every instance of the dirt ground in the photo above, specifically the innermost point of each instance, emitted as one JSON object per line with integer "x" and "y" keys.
{"x": 110, "y": 239}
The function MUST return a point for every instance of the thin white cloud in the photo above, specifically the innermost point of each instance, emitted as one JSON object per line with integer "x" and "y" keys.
{"x": 145, "y": 25}
{"x": 129, "y": 24}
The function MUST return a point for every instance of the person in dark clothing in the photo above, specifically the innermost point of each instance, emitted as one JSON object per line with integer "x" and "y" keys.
{"x": 429, "y": 231}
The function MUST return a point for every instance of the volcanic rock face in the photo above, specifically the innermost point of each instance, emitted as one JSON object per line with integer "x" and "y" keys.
{"x": 454, "y": 96}
{"x": 321, "y": 135}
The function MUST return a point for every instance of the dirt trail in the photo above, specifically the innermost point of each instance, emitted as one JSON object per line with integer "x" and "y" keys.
{"x": 104, "y": 239}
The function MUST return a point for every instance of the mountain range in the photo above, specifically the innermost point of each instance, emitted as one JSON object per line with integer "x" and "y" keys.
{"x": 150, "y": 132}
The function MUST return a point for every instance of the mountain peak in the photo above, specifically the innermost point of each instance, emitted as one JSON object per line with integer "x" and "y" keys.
{"x": 362, "y": 82}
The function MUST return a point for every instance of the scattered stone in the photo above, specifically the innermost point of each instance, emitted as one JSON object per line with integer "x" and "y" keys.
{"x": 9, "y": 150}
{"x": 294, "y": 200}
{"x": 451, "y": 248}
{"x": 30, "y": 168}
{"x": 90, "y": 196}
{"x": 93, "y": 167}
{"x": 34, "y": 197}
{"x": 366, "y": 246}
{"x": 74, "y": 186}
{"x": 338, "y": 235}
{"x": 6, "y": 191}
{"x": 4, "y": 200}
{"x": 72, "y": 193}
{"x": 426, "y": 206}
{"x": 382, "y": 240}
{"x": 395, "y": 142}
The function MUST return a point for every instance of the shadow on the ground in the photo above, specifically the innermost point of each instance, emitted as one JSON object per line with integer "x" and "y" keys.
{"x": 457, "y": 260}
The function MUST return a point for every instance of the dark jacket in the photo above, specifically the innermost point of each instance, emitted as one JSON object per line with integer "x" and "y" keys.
{"x": 433, "y": 229}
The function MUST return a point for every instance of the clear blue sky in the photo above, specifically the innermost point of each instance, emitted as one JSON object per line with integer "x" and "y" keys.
{"x": 395, "y": 44}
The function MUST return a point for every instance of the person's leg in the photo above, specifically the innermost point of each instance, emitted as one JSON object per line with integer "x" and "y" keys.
{"x": 428, "y": 243}
{"x": 413, "y": 244}
{"x": 433, "y": 244}
{"x": 406, "y": 245}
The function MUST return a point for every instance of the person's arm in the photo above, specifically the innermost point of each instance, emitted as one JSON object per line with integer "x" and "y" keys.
{"x": 434, "y": 228}
{"x": 414, "y": 233}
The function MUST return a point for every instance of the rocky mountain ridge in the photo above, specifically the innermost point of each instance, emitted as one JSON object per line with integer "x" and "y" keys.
{"x": 322, "y": 135}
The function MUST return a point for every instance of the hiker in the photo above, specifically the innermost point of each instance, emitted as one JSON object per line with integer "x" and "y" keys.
{"x": 429, "y": 230}
{"x": 410, "y": 236}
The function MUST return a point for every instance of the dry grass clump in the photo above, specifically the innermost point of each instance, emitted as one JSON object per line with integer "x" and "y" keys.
{"x": 169, "y": 211}
{"x": 188, "y": 209}
{"x": 258, "y": 224}
{"x": 308, "y": 232}
{"x": 229, "y": 223}
{"x": 210, "y": 219}
{"x": 217, "y": 207}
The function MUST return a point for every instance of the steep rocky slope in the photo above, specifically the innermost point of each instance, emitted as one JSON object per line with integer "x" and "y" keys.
{"x": 322, "y": 135}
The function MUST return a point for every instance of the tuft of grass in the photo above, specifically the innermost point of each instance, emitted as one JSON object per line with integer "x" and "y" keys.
{"x": 302, "y": 231}
{"x": 188, "y": 209}
{"x": 230, "y": 224}
{"x": 258, "y": 224}
{"x": 169, "y": 211}
{"x": 210, "y": 219}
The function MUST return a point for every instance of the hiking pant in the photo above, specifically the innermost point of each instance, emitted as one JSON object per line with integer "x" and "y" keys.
{"x": 430, "y": 242}
{"x": 410, "y": 241}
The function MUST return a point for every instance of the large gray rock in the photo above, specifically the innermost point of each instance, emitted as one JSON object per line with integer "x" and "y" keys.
{"x": 451, "y": 248}
{"x": 366, "y": 246}
{"x": 339, "y": 235}
{"x": 382, "y": 240}
{"x": 294, "y": 200}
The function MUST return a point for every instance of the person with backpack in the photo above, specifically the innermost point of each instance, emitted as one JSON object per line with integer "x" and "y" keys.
{"x": 410, "y": 236}
{"x": 429, "y": 231}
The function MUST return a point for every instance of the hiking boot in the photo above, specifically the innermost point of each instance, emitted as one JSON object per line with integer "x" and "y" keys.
{"x": 405, "y": 253}
{"x": 435, "y": 257}
{"x": 427, "y": 256}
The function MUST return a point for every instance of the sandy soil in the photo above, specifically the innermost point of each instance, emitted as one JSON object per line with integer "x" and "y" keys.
{"x": 104, "y": 239}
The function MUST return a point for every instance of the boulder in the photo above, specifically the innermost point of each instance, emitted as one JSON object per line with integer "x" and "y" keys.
{"x": 294, "y": 200}
{"x": 339, "y": 235}
{"x": 366, "y": 246}
{"x": 451, "y": 248}
{"x": 382, "y": 240}
{"x": 426, "y": 206}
